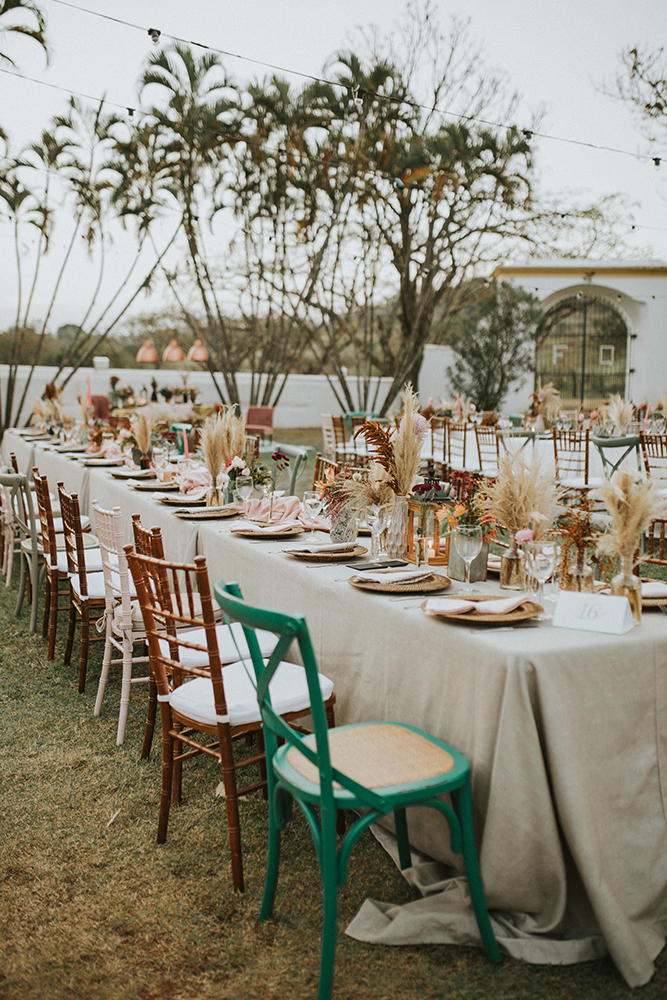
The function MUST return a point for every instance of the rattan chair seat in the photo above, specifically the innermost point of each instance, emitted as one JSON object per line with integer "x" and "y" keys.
{"x": 379, "y": 755}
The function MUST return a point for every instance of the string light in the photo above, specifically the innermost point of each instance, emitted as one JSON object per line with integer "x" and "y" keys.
{"x": 528, "y": 133}
{"x": 154, "y": 35}
{"x": 656, "y": 162}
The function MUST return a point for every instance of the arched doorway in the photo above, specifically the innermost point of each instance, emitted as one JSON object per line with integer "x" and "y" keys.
{"x": 581, "y": 346}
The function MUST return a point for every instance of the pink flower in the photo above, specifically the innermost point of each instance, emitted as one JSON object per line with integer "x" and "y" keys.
{"x": 525, "y": 535}
{"x": 472, "y": 407}
{"x": 594, "y": 414}
{"x": 421, "y": 424}
{"x": 581, "y": 418}
{"x": 541, "y": 395}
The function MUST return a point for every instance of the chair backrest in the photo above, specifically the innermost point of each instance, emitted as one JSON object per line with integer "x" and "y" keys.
{"x": 656, "y": 542}
{"x": 19, "y": 500}
{"x": 328, "y": 437}
{"x": 571, "y": 454}
{"x": 487, "y": 449}
{"x": 260, "y": 419}
{"x": 289, "y": 629}
{"x": 456, "y": 444}
{"x": 323, "y": 465}
{"x": 654, "y": 452}
{"x": 147, "y": 541}
{"x": 111, "y": 537}
{"x": 340, "y": 433}
{"x": 169, "y": 596}
{"x": 45, "y": 511}
{"x": 73, "y": 532}
{"x": 251, "y": 446}
{"x": 15, "y": 462}
{"x": 439, "y": 439}
{"x": 298, "y": 458}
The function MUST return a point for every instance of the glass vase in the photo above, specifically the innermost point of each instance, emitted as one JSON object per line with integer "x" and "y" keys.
{"x": 421, "y": 550}
{"x": 626, "y": 584}
{"x": 344, "y": 525}
{"x": 512, "y": 569}
{"x": 579, "y": 578}
{"x": 214, "y": 497}
{"x": 397, "y": 530}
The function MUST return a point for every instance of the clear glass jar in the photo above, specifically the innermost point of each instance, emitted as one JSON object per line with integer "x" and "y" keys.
{"x": 626, "y": 584}
{"x": 580, "y": 578}
{"x": 512, "y": 569}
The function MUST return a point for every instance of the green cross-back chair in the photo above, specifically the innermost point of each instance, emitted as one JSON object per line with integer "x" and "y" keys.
{"x": 378, "y": 767}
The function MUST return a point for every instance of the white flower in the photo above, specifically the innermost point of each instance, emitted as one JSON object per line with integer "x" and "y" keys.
{"x": 246, "y": 471}
{"x": 237, "y": 463}
{"x": 223, "y": 479}
{"x": 421, "y": 424}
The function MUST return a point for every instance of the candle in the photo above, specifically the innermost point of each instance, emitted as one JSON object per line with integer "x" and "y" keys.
{"x": 186, "y": 452}
{"x": 648, "y": 410}
{"x": 90, "y": 398}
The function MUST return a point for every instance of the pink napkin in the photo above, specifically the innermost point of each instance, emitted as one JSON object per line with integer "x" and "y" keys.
{"x": 284, "y": 508}
{"x": 194, "y": 479}
{"x": 93, "y": 449}
{"x": 454, "y": 606}
{"x": 112, "y": 450}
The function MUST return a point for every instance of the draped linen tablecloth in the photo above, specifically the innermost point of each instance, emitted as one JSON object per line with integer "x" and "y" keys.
{"x": 566, "y": 733}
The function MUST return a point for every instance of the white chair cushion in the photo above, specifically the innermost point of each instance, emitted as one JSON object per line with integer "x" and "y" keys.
{"x": 230, "y": 648}
{"x": 93, "y": 559}
{"x": 138, "y": 621}
{"x": 58, "y": 524}
{"x": 95, "y": 583}
{"x": 579, "y": 483}
{"x": 288, "y": 690}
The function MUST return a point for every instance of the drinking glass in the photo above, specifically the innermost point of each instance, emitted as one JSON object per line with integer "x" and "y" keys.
{"x": 159, "y": 459}
{"x": 468, "y": 541}
{"x": 377, "y": 516}
{"x": 540, "y": 563}
{"x": 244, "y": 487}
{"x": 312, "y": 505}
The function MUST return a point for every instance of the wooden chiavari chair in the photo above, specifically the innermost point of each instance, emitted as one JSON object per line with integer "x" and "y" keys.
{"x": 571, "y": 457}
{"x": 487, "y": 450}
{"x": 323, "y": 465}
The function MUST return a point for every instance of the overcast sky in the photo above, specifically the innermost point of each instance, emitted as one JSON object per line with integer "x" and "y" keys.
{"x": 555, "y": 54}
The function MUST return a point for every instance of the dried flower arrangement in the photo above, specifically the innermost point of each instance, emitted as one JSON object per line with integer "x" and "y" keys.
{"x": 212, "y": 445}
{"x": 577, "y": 534}
{"x": 545, "y": 403}
{"x": 373, "y": 488}
{"x": 619, "y": 412}
{"x": 521, "y": 497}
{"x": 233, "y": 433}
{"x": 468, "y": 489}
{"x": 632, "y": 505}
{"x": 141, "y": 430}
{"x": 399, "y": 454}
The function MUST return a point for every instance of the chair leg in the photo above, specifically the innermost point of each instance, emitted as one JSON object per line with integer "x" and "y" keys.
{"x": 53, "y": 622}
{"x": 232, "y": 803}
{"x": 262, "y": 764}
{"x": 329, "y": 869}
{"x": 33, "y": 579}
{"x": 22, "y": 586}
{"x": 402, "y": 839}
{"x": 47, "y": 606}
{"x": 126, "y": 684}
{"x": 272, "y": 859}
{"x": 71, "y": 626}
{"x": 462, "y": 801}
{"x": 167, "y": 774}
{"x": 177, "y": 783}
{"x": 106, "y": 660}
{"x": 83, "y": 658}
{"x": 150, "y": 719}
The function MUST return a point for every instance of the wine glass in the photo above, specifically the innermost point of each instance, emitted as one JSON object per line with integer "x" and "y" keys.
{"x": 312, "y": 505}
{"x": 159, "y": 459}
{"x": 244, "y": 487}
{"x": 377, "y": 516}
{"x": 540, "y": 563}
{"x": 468, "y": 541}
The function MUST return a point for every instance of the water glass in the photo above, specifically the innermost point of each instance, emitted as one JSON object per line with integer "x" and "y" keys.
{"x": 540, "y": 563}
{"x": 468, "y": 542}
{"x": 312, "y": 504}
{"x": 244, "y": 487}
{"x": 377, "y": 518}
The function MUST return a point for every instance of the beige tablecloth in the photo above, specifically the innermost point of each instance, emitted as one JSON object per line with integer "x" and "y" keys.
{"x": 566, "y": 732}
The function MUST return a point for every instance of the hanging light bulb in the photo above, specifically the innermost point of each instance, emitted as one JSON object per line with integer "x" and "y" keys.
{"x": 147, "y": 355}
{"x": 656, "y": 162}
{"x": 198, "y": 352}
{"x": 172, "y": 351}
{"x": 154, "y": 35}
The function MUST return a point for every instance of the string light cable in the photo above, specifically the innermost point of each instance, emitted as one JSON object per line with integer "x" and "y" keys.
{"x": 357, "y": 92}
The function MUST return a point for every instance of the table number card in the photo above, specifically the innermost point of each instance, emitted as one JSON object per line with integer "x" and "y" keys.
{"x": 593, "y": 612}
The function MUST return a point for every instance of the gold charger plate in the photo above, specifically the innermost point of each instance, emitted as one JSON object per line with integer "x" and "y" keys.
{"x": 358, "y": 550}
{"x": 433, "y": 582}
{"x": 529, "y": 609}
{"x": 206, "y": 513}
{"x": 70, "y": 449}
{"x": 249, "y": 533}
{"x": 134, "y": 474}
{"x": 101, "y": 461}
{"x": 183, "y": 500}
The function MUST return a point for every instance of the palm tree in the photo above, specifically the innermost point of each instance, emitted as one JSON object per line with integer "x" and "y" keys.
{"x": 10, "y": 24}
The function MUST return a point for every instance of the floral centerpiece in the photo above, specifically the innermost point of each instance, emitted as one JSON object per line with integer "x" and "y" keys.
{"x": 577, "y": 534}
{"x": 212, "y": 445}
{"x": 619, "y": 412}
{"x": 632, "y": 506}
{"x": 522, "y": 498}
{"x": 544, "y": 406}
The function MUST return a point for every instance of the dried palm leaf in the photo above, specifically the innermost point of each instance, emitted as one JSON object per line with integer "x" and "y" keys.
{"x": 142, "y": 433}
{"x": 213, "y": 446}
{"x": 407, "y": 443}
{"x": 620, "y": 413}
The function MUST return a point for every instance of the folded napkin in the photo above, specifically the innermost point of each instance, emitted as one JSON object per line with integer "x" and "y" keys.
{"x": 329, "y": 547}
{"x": 94, "y": 449}
{"x": 259, "y": 509}
{"x": 394, "y": 576}
{"x": 194, "y": 479}
{"x": 454, "y": 606}
{"x": 271, "y": 529}
{"x": 111, "y": 450}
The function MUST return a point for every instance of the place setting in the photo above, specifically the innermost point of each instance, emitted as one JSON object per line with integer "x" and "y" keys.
{"x": 328, "y": 552}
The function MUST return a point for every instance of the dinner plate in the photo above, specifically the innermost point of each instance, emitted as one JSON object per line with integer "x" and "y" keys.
{"x": 70, "y": 449}
{"x": 358, "y": 550}
{"x": 249, "y": 533}
{"x": 206, "y": 513}
{"x": 102, "y": 461}
{"x": 134, "y": 474}
{"x": 529, "y": 609}
{"x": 183, "y": 500}
{"x": 154, "y": 486}
{"x": 433, "y": 582}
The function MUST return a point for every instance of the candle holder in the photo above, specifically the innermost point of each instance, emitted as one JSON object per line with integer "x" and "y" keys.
{"x": 425, "y": 536}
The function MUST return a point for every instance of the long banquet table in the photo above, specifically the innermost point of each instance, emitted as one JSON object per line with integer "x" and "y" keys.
{"x": 566, "y": 732}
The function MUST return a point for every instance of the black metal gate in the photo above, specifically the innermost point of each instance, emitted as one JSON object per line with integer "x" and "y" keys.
{"x": 581, "y": 347}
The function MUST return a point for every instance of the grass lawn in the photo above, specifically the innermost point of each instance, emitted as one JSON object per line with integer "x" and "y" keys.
{"x": 96, "y": 910}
